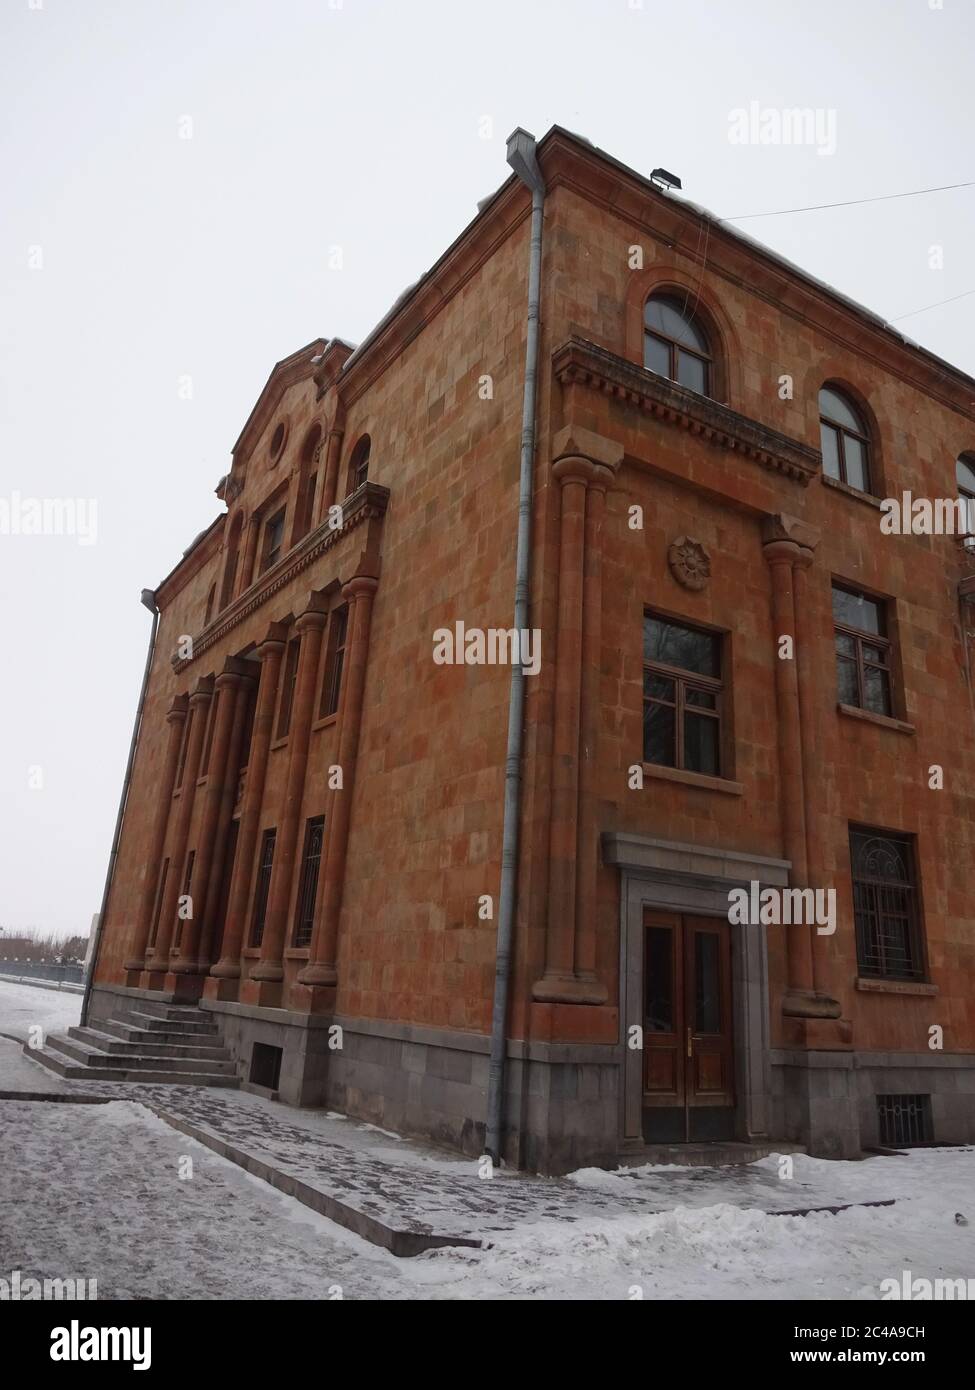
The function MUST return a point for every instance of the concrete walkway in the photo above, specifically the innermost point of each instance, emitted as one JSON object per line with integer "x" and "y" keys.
{"x": 409, "y": 1197}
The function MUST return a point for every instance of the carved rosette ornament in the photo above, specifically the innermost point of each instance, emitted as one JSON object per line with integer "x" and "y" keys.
{"x": 689, "y": 562}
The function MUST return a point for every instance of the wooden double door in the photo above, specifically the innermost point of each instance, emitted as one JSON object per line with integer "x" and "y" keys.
{"x": 688, "y": 1037}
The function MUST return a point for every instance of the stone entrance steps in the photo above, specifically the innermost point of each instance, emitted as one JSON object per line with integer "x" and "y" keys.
{"x": 158, "y": 1042}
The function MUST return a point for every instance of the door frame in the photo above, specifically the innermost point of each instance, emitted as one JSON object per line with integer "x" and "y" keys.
{"x": 695, "y": 880}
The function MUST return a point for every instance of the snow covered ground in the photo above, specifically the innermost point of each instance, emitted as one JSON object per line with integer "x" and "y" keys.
{"x": 105, "y": 1191}
{"x": 25, "y": 1006}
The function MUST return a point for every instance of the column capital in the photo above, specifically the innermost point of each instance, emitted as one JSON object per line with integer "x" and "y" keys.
{"x": 576, "y": 442}
{"x": 202, "y": 692}
{"x": 359, "y": 585}
{"x": 273, "y": 641}
{"x": 177, "y": 710}
{"x": 313, "y": 615}
{"x": 575, "y": 468}
{"x": 781, "y": 552}
{"x": 783, "y": 527}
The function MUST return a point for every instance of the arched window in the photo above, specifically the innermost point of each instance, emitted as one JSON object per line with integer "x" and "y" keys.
{"x": 211, "y": 596}
{"x": 965, "y": 476}
{"x": 844, "y": 439}
{"x": 359, "y": 464}
{"x": 230, "y": 564}
{"x": 674, "y": 344}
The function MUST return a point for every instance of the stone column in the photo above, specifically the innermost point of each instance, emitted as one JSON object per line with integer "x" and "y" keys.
{"x": 227, "y": 687}
{"x": 213, "y": 897}
{"x": 157, "y": 964}
{"x": 781, "y": 553}
{"x": 587, "y": 855}
{"x": 321, "y": 969}
{"x": 245, "y": 573}
{"x": 585, "y": 466}
{"x": 176, "y": 718}
{"x": 812, "y": 704}
{"x": 270, "y": 969}
{"x": 333, "y": 452}
{"x": 226, "y": 972}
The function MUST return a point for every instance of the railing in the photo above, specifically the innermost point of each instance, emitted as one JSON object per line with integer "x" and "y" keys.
{"x": 42, "y": 970}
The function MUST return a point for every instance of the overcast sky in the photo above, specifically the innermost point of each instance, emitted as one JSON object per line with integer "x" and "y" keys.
{"x": 174, "y": 175}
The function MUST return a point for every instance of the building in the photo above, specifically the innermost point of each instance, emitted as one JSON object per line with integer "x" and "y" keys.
{"x": 747, "y": 684}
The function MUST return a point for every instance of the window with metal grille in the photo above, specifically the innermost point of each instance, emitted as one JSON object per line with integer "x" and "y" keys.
{"x": 264, "y": 867}
{"x": 904, "y": 1120}
{"x": 885, "y": 906}
{"x": 288, "y": 686}
{"x": 308, "y": 883}
{"x": 334, "y": 661}
{"x": 682, "y": 691}
{"x": 862, "y": 650}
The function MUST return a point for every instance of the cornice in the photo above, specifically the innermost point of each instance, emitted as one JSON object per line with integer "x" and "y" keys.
{"x": 368, "y": 502}
{"x": 579, "y": 362}
{"x": 596, "y": 176}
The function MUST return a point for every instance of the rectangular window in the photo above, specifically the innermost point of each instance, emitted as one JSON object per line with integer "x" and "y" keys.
{"x": 682, "y": 691}
{"x": 288, "y": 686}
{"x": 265, "y": 864}
{"x": 159, "y": 902}
{"x": 885, "y": 906}
{"x": 184, "y": 747}
{"x": 334, "y": 661}
{"x": 862, "y": 650}
{"x": 904, "y": 1120}
{"x": 182, "y": 907}
{"x": 273, "y": 540}
{"x": 308, "y": 883}
{"x": 208, "y": 741}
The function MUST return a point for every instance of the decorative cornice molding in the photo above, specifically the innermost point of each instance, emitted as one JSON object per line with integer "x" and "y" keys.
{"x": 580, "y": 362}
{"x": 368, "y": 502}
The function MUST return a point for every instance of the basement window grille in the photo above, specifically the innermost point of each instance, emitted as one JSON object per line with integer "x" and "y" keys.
{"x": 904, "y": 1121}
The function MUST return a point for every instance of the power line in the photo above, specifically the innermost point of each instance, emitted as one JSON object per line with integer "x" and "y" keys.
{"x": 938, "y": 305}
{"x": 853, "y": 202}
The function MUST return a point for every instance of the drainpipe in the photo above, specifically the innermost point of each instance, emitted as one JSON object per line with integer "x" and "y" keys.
{"x": 521, "y": 157}
{"x": 148, "y": 600}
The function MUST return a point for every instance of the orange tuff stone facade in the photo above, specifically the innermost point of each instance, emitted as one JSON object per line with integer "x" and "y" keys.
{"x": 312, "y": 841}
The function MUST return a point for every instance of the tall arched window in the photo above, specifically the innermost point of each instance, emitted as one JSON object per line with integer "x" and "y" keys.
{"x": 844, "y": 439}
{"x": 965, "y": 476}
{"x": 674, "y": 344}
{"x": 359, "y": 464}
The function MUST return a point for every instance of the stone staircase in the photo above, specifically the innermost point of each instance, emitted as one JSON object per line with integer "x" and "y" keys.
{"x": 153, "y": 1042}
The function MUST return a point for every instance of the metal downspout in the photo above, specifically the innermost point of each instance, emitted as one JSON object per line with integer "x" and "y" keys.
{"x": 521, "y": 157}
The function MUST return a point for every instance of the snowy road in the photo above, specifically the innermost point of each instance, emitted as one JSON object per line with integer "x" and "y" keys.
{"x": 105, "y": 1191}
